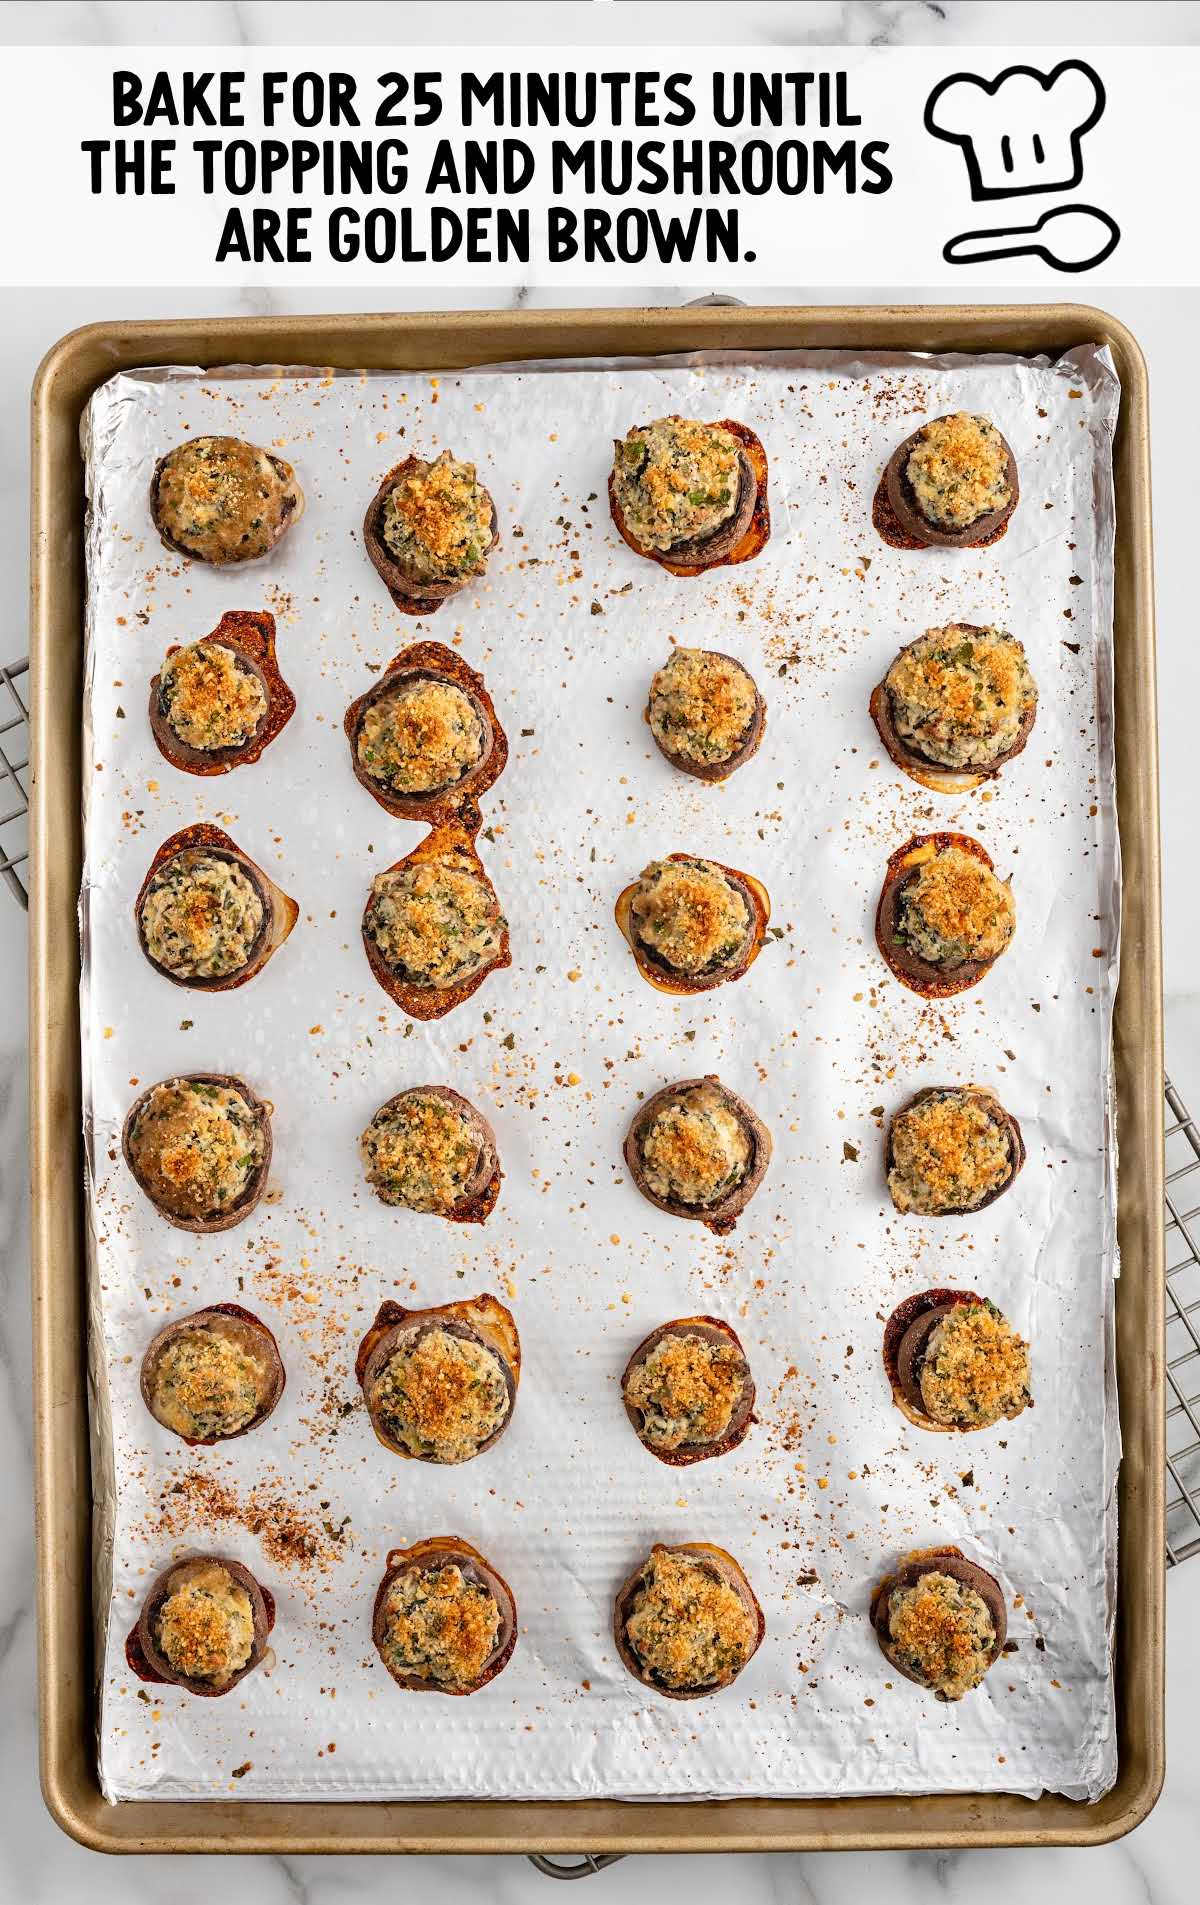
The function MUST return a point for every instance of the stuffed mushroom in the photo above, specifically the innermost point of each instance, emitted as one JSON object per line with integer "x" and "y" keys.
{"x": 954, "y": 1362}
{"x": 688, "y": 1390}
{"x": 940, "y": 1620}
{"x": 444, "y": 1620}
{"x": 951, "y": 1150}
{"x": 686, "y": 1621}
{"x": 219, "y": 702}
{"x": 203, "y": 1627}
{"x": 955, "y": 705}
{"x": 222, "y": 501}
{"x": 440, "y": 1384}
{"x": 426, "y": 734}
{"x": 428, "y": 1149}
{"x": 693, "y": 924}
{"x": 429, "y": 530}
{"x": 212, "y": 1376}
{"x": 696, "y": 1150}
{"x": 207, "y": 917}
{"x": 944, "y": 917}
{"x": 199, "y": 1146}
{"x": 705, "y": 713}
{"x": 690, "y": 495}
{"x": 952, "y": 484}
{"x": 432, "y": 928}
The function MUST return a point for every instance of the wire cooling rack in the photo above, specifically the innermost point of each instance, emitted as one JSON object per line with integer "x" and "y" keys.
{"x": 14, "y": 777}
{"x": 1182, "y": 1193}
{"x": 1183, "y": 1330}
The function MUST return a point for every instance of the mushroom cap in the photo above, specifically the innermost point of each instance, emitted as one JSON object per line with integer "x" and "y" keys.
{"x": 722, "y": 1215}
{"x": 751, "y": 519}
{"x": 257, "y": 1182}
{"x": 291, "y": 506}
{"x": 904, "y": 504}
{"x": 455, "y": 835}
{"x": 250, "y": 636}
{"x": 935, "y": 775}
{"x": 479, "y": 1196}
{"x": 280, "y": 911}
{"x": 431, "y": 661}
{"x": 415, "y": 595}
{"x": 666, "y": 978}
{"x": 980, "y": 1095}
{"x": 932, "y": 982}
{"x": 481, "y": 1319}
{"x": 242, "y": 1327}
{"x": 746, "y": 747}
{"x": 950, "y": 1561}
{"x": 726, "y": 1569}
{"x": 440, "y": 1551}
{"x": 709, "y": 1329}
{"x": 262, "y": 1607}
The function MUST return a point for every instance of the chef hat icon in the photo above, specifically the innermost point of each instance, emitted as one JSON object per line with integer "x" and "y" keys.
{"x": 1021, "y": 131}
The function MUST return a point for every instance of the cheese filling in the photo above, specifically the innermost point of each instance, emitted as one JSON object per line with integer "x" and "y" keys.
{"x": 205, "y": 1628}
{"x": 686, "y": 1625}
{"x": 696, "y": 1150}
{"x": 961, "y": 696}
{"x": 438, "y": 1624}
{"x": 221, "y": 499}
{"x": 440, "y": 1395}
{"x": 676, "y": 480}
{"x": 435, "y": 923}
{"x": 422, "y": 1152}
{"x": 701, "y": 706}
{"x": 686, "y": 1390}
{"x": 207, "y": 1384}
{"x": 437, "y": 520}
{"x": 949, "y": 1152}
{"x": 689, "y": 915}
{"x": 975, "y": 1369}
{"x": 421, "y": 737}
{"x": 954, "y": 909}
{"x": 941, "y": 1630}
{"x": 201, "y": 915}
{"x": 958, "y": 470}
{"x": 196, "y": 1146}
{"x": 210, "y": 697}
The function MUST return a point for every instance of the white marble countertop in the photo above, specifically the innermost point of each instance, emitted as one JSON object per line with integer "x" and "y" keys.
{"x": 1159, "y": 1862}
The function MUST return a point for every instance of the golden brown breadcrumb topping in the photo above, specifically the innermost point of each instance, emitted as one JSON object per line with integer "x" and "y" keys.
{"x": 701, "y": 705}
{"x": 205, "y": 1627}
{"x": 949, "y": 1151}
{"x": 689, "y": 915}
{"x": 975, "y": 1369}
{"x": 686, "y": 1389}
{"x": 687, "y": 1625}
{"x": 439, "y": 1625}
{"x": 441, "y": 1395}
{"x": 955, "y": 909}
{"x": 958, "y": 469}
{"x": 942, "y": 1630}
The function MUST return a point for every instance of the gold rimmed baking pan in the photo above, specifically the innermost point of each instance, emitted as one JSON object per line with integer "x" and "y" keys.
{"x": 446, "y": 341}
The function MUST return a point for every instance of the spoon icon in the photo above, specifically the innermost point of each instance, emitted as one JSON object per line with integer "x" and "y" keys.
{"x": 1082, "y": 237}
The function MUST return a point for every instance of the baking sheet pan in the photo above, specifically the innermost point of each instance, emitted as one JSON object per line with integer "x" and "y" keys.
{"x": 726, "y": 1815}
{"x": 568, "y": 627}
